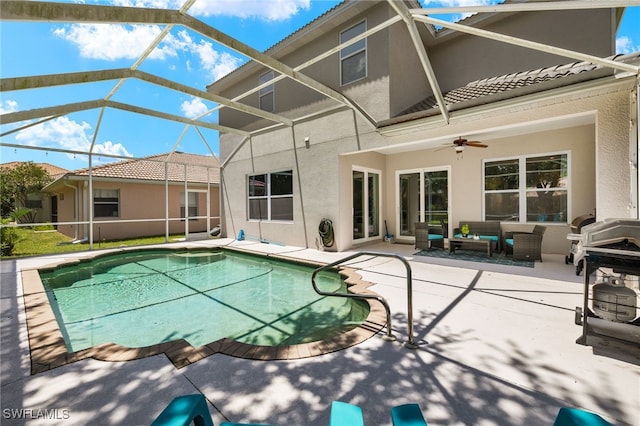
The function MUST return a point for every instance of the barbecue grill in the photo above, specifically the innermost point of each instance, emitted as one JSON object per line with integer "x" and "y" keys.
{"x": 576, "y": 228}
{"x": 613, "y": 248}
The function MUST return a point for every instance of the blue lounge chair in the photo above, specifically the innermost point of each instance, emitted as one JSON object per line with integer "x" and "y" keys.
{"x": 407, "y": 415}
{"x": 568, "y": 416}
{"x": 183, "y": 410}
{"x": 344, "y": 414}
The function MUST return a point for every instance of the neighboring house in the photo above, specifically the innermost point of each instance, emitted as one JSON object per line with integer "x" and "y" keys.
{"x": 562, "y": 137}
{"x": 43, "y": 206}
{"x": 144, "y": 197}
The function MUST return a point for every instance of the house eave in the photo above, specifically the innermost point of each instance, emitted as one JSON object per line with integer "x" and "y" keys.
{"x": 497, "y": 103}
{"x": 85, "y": 178}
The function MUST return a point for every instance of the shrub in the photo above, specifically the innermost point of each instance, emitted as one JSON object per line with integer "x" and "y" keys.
{"x": 8, "y": 234}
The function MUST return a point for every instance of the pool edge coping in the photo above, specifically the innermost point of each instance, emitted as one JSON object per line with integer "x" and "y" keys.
{"x": 48, "y": 350}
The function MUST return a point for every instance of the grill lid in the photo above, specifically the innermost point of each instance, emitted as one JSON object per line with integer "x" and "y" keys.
{"x": 612, "y": 232}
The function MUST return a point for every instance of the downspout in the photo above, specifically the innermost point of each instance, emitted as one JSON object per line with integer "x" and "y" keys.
{"x": 166, "y": 201}
{"x": 295, "y": 155}
{"x": 208, "y": 197}
{"x": 76, "y": 206}
{"x": 634, "y": 148}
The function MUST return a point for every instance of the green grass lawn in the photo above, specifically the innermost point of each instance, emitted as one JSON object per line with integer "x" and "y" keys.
{"x": 33, "y": 243}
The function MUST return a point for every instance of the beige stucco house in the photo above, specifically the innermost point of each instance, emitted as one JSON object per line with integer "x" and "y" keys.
{"x": 377, "y": 145}
{"x": 42, "y": 205}
{"x": 174, "y": 193}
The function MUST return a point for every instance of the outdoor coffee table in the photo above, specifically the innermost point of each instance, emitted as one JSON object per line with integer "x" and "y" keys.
{"x": 456, "y": 242}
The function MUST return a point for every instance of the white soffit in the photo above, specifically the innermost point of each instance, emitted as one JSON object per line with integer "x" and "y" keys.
{"x": 486, "y": 135}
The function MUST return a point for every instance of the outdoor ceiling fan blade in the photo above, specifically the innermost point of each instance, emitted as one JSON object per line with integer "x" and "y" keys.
{"x": 477, "y": 144}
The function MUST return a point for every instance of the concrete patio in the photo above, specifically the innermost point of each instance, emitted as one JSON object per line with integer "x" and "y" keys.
{"x": 496, "y": 347}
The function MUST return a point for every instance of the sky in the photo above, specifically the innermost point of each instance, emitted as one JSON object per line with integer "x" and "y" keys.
{"x": 28, "y": 49}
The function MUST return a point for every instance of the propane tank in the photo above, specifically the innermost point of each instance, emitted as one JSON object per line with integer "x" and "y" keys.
{"x": 613, "y": 301}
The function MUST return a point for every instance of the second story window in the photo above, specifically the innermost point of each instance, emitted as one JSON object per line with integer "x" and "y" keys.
{"x": 353, "y": 59}
{"x": 266, "y": 93}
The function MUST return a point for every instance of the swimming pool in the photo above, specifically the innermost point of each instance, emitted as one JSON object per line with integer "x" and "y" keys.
{"x": 141, "y": 298}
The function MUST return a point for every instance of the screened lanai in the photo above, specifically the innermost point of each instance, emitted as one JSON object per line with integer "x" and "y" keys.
{"x": 110, "y": 93}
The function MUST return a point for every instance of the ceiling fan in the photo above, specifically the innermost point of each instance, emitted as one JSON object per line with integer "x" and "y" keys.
{"x": 461, "y": 142}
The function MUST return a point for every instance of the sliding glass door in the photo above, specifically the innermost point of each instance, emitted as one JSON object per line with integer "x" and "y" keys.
{"x": 423, "y": 196}
{"x": 366, "y": 204}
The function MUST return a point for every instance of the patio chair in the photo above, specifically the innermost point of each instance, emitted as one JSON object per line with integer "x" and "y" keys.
{"x": 343, "y": 413}
{"x": 525, "y": 245}
{"x": 429, "y": 236}
{"x": 185, "y": 410}
{"x": 407, "y": 415}
{"x": 568, "y": 416}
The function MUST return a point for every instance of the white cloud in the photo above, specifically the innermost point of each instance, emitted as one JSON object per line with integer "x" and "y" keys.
{"x": 193, "y": 108}
{"x": 626, "y": 45}
{"x": 273, "y": 10}
{"x": 113, "y": 41}
{"x": 8, "y": 106}
{"x": 217, "y": 64}
{"x": 156, "y": 4}
{"x": 458, "y": 3}
{"x": 67, "y": 134}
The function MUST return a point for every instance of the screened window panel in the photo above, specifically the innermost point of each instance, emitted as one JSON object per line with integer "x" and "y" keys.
{"x": 354, "y": 68}
{"x": 503, "y": 206}
{"x": 547, "y": 172}
{"x": 257, "y": 185}
{"x": 282, "y": 183}
{"x": 353, "y": 59}
{"x": 540, "y": 183}
{"x": 266, "y": 95}
{"x": 352, "y": 32}
{"x": 282, "y": 208}
{"x": 267, "y": 102}
{"x": 547, "y": 206}
{"x": 502, "y": 175}
{"x": 193, "y": 204}
{"x": 271, "y": 196}
{"x": 258, "y": 209}
{"x": 106, "y": 202}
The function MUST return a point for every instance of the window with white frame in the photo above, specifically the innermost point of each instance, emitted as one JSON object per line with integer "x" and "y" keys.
{"x": 527, "y": 188}
{"x": 353, "y": 59}
{"x": 106, "y": 202}
{"x": 192, "y": 203}
{"x": 266, "y": 95}
{"x": 270, "y": 196}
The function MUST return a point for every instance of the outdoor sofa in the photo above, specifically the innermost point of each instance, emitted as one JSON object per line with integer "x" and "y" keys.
{"x": 486, "y": 230}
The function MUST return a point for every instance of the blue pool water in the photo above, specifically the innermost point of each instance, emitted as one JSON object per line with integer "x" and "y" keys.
{"x": 140, "y": 298}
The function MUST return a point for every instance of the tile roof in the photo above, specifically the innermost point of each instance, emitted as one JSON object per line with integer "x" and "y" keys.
{"x": 503, "y": 84}
{"x": 152, "y": 168}
{"x": 54, "y": 171}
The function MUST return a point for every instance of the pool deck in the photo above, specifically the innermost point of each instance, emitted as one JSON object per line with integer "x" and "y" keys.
{"x": 496, "y": 346}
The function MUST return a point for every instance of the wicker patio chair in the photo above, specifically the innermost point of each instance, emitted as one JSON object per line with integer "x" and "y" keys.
{"x": 525, "y": 245}
{"x": 429, "y": 236}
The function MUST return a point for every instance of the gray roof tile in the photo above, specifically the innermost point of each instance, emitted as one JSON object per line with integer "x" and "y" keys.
{"x": 504, "y": 83}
